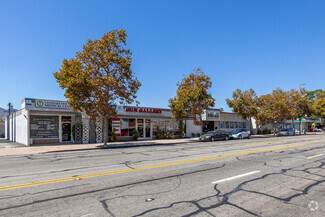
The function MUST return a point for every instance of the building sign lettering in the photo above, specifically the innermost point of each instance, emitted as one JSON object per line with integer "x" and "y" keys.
{"x": 143, "y": 110}
{"x": 51, "y": 104}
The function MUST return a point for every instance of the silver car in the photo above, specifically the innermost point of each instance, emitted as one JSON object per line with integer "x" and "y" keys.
{"x": 286, "y": 132}
{"x": 240, "y": 134}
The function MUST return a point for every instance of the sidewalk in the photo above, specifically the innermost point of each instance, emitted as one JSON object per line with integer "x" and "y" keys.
{"x": 9, "y": 148}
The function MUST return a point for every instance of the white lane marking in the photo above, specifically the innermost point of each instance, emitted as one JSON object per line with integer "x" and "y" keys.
{"x": 88, "y": 215}
{"x": 314, "y": 156}
{"x": 235, "y": 177}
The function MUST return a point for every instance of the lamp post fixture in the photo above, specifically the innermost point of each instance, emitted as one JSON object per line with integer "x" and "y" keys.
{"x": 300, "y": 87}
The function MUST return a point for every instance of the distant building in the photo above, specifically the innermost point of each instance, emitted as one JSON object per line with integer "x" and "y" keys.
{"x": 3, "y": 114}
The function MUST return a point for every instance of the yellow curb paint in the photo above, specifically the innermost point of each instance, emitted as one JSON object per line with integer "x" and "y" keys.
{"x": 289, "y": 140}
{"x": 147, "y": 167}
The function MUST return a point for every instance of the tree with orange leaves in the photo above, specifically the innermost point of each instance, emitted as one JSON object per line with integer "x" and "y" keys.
{"x": 99, "y": 77}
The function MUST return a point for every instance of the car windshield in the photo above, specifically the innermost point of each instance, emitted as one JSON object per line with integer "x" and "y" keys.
{"x": 211, "y": 132}
{"x": 235, "y": 131}
{"x": 283, "y": 130}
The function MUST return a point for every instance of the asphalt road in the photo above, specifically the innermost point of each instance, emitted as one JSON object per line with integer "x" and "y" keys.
{"x": 282, "y": 176}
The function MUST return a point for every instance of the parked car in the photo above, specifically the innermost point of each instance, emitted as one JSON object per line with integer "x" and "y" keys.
{"x": 286, "y": 132}
{"x": 318, "y": 130}
{"x": 240, "y": 134}
{"x": 215, "y": 135}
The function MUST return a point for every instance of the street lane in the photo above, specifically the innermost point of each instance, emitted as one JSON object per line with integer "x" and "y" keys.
{"x": 175, "y": 190}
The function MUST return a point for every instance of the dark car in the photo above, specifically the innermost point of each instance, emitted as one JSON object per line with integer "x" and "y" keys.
{"x": 215, "y": 135}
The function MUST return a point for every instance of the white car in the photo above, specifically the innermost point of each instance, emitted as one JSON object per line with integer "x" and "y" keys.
{"x": 240, "y": 134}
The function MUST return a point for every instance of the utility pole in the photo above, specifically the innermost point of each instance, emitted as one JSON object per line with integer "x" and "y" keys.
{"x": 9, "y": 105}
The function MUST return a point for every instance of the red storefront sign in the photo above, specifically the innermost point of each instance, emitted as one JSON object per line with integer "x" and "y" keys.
{"x": 143, "y": 110}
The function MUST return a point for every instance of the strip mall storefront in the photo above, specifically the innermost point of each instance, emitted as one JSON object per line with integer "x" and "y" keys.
{"x": 49, "y": 121}
{"x": 144, "y": 120}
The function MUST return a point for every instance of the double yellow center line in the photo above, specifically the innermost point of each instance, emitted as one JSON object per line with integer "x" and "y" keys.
{"x": 147, "y": 167}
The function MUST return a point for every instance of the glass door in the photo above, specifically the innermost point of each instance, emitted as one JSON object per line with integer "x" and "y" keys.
{"x": 148, "y": 128}
{"x": 140, "y": 127}
{"x": 66, "y": 132}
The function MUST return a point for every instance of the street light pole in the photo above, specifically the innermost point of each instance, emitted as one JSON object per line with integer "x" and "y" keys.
{"x": 300, "y": 125}
{"x": 300, "y": 87}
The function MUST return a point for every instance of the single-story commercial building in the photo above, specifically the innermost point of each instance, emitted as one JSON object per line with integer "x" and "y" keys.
{"x": 2, "y": 129}
{"x": 51, "y": 121}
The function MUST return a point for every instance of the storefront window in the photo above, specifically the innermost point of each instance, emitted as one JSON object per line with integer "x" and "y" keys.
{"x": 222, "y": 124}
{"x": 231, "y": 124}
{"x": 140, "y": 127}
{"x": 227, "y": 124}
{"x": 244, "y": 125}
{"x": 168, "y": 126}
{"x": 66, "y": 118}
{"x": 131, "y": 126}
{"x": 208, "y": 126}
{"x": 124, "y": 127}
{"x": 240, "y": 124}
{"x": 154, "y": 127}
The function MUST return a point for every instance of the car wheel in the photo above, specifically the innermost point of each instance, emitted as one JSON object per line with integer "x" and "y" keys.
{"x": 226, "y": 138}
{"x": 240, "y": 137}
{"x": 212, "y": 139}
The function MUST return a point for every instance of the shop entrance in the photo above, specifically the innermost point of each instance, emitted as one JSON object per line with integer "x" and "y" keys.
{"x": 140, "y": 127}
{"x": 208, "y": 126}
{"x": 66, "y": 132}
{"x": 148, "y": 128}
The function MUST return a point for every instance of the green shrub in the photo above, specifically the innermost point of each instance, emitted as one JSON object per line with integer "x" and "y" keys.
{"x": 160, "y": 134}
{"x": 113, "y": 137}
{"x": 168, "y": 135}
{"x": 266, "y": 131}
{"x": 193, "y": 135}
{"x": 135, "y": 134}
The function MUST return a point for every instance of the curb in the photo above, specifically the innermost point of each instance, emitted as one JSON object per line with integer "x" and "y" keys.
{"x": 120, "y": 146}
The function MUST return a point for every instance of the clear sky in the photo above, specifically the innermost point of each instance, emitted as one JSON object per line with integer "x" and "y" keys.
{"x": 239, "y": 44}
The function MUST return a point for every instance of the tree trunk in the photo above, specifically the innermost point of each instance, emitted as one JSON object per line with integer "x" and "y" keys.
{"x": 250, "y": 125}
{"x": 105, "y": 130}
{"x": 180, "y": 125}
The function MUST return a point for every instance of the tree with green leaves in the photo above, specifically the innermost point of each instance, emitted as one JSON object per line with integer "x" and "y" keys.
{"x": 273, "y": 108}
{"x": 99, "y": 77}
{"x": 313, "y": 94}
{"x": 299, "y": 105}
{"x": 319, "y": 106}
{"x": 192, "y": 97}
{"x": 244, "y": 103}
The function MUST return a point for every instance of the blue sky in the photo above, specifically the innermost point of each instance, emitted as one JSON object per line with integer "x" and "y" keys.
{"x": 239, "y": 44}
